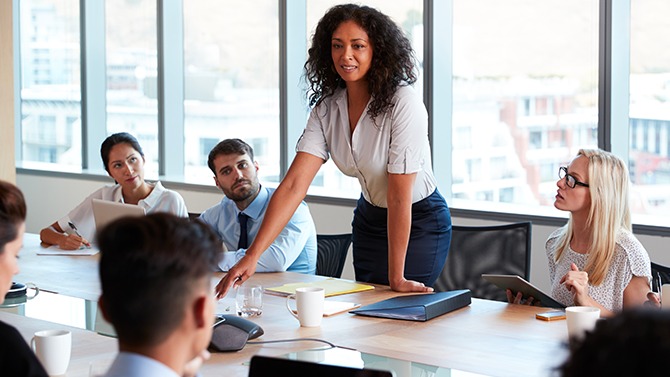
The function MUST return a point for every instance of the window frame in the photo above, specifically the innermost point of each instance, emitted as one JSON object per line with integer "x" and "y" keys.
{"x": 614, "y": 61}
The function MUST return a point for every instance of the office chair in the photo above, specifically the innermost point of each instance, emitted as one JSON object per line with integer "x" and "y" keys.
{"x": 477, "y": 250}
{"x": 332, "y": 252}
{"x": 660, "y": 274}
{"x": 193, "y": 215}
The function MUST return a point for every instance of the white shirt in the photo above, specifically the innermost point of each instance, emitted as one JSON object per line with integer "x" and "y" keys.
{"x": 396, "y": 142}
{"x": 159, "y": 200}
{"x": 128, "y": 364}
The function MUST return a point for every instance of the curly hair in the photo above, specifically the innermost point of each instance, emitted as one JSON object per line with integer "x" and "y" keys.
{"x": 393, "y": 60}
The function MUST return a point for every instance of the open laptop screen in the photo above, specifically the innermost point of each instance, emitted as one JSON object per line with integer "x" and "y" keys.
{"x": 105, "y": 211}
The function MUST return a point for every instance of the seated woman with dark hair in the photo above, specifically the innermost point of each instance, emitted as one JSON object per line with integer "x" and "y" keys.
{"x": 124, "y": 161}
{"x": 16, "y": 358}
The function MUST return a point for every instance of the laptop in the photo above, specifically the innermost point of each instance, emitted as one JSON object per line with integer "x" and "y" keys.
{"x": 105, "y": 211}
{"x": 263, "y": 366}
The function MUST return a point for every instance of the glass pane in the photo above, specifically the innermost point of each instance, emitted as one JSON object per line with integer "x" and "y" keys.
{"x": 231, "y": 63}
{"x": 131, "y": 40}
{"x": 650, "y": 108}
{"x": 50, "y": 82}
{"x": 524, "y": 97}
{"x": 409, "y": 15}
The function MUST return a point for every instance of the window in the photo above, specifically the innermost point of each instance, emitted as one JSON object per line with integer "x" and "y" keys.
{"x": 50, "y": 83}
{"x": 516, "y": 91}
{"x": 649, "y": 112}
{"x": 131, "y": 72}
{"x": 525, "y": 77}
{"x": 231, "y": 78}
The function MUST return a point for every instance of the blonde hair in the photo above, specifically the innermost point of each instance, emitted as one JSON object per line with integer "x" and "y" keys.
{"x": 608, "y": 215}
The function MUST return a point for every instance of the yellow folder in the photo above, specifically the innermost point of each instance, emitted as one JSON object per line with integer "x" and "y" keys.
{"x": 332, "y": 287}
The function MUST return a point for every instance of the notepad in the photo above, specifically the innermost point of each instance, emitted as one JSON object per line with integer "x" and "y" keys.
{"x": 55, "y": 250}
{"x": 332, "y": 287}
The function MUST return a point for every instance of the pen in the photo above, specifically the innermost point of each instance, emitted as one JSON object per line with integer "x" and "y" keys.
{"x": 656, "y": 283}
{"x": 71, "y": 224}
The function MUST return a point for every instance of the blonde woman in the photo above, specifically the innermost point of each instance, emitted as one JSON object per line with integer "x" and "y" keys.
{"x": 595, "y": 260}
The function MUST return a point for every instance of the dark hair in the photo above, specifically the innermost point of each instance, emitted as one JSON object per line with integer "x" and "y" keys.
{"x": 149, "y": 267}
{"x": 12, "y": 213}
{"x": 393, "y": 60}
{"x": 118, "y": 138}
{"x": 633, "y": 343}
{"x": 229, "y": 146}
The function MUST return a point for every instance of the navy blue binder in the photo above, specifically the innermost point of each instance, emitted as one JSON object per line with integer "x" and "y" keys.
{"x": 417, "y": 307}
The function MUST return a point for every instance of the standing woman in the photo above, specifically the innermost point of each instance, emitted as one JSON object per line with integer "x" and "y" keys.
{"x": 595, "y": 260}
{"x": 372, "y": 123}
{"x": 16, "y": 358}
{"x": 124, "y": 161}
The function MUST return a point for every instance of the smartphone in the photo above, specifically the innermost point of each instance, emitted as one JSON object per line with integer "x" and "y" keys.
{"x": 551, "y": 316}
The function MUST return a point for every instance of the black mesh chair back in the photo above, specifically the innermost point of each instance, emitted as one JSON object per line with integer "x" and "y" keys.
{"x": 660, "y": 274}
{"x": 477, "y": 250}
{"x": 332, "y": 251}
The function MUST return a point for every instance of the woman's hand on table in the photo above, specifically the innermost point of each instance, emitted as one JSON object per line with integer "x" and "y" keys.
{"x": 405, "y": 285}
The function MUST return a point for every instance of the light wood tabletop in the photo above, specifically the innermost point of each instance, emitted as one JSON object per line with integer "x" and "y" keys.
{"x": 486, "y": 337}
{"x": 91, "y": 353}
{"x": 75, "y": 276}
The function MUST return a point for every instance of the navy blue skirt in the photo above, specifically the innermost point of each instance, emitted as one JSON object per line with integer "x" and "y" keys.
{"x": 428, "y": 246}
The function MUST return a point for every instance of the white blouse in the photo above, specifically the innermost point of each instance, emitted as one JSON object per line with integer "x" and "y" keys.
{"x": 395, "y": 142}
{"x": 630, "y": 259}
{"x": 159, "y": 200}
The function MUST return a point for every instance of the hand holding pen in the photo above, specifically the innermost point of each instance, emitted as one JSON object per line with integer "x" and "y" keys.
{"x": 654, "y": 297}
{"x": 74, "y": 241}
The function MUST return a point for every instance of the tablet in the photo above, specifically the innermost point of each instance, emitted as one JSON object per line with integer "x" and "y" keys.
{"x": 518, "y": 284}
{"x": 105, "y": 211}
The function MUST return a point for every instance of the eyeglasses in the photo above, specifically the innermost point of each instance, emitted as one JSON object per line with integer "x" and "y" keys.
{"x": 570, "y": 180}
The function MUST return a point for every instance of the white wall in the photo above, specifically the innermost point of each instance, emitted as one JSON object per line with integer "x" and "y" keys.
{"x": 50, "y": 198}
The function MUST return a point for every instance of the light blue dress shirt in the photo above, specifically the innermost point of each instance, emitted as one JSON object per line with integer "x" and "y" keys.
{"x": 129, "y": 364}
{"x": 293, "y": 250}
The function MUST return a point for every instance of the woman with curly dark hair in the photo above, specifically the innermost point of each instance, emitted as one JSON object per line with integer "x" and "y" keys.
{"x": 368, "y": 118}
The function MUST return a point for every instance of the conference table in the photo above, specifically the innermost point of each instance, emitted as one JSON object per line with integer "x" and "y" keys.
{"x": 485, "y": 337}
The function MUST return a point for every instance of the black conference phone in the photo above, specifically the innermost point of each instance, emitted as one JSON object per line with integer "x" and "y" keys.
{"x": 231, "y": 333}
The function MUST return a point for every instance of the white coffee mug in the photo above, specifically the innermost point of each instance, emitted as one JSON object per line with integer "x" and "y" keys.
{"x": 309, "y": 305}
{"x": 580, "y": 320}
{"x": 52, "y": 348}
{"x": 665, "y": 296}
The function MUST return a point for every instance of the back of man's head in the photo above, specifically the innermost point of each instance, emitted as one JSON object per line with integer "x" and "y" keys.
{"x": 150, "y": 267}
{"x": 632, "y": 343}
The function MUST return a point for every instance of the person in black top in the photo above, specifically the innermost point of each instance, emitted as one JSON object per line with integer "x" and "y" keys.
{"x": 16, "y": 358}
{"x": 632, "y": 343}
